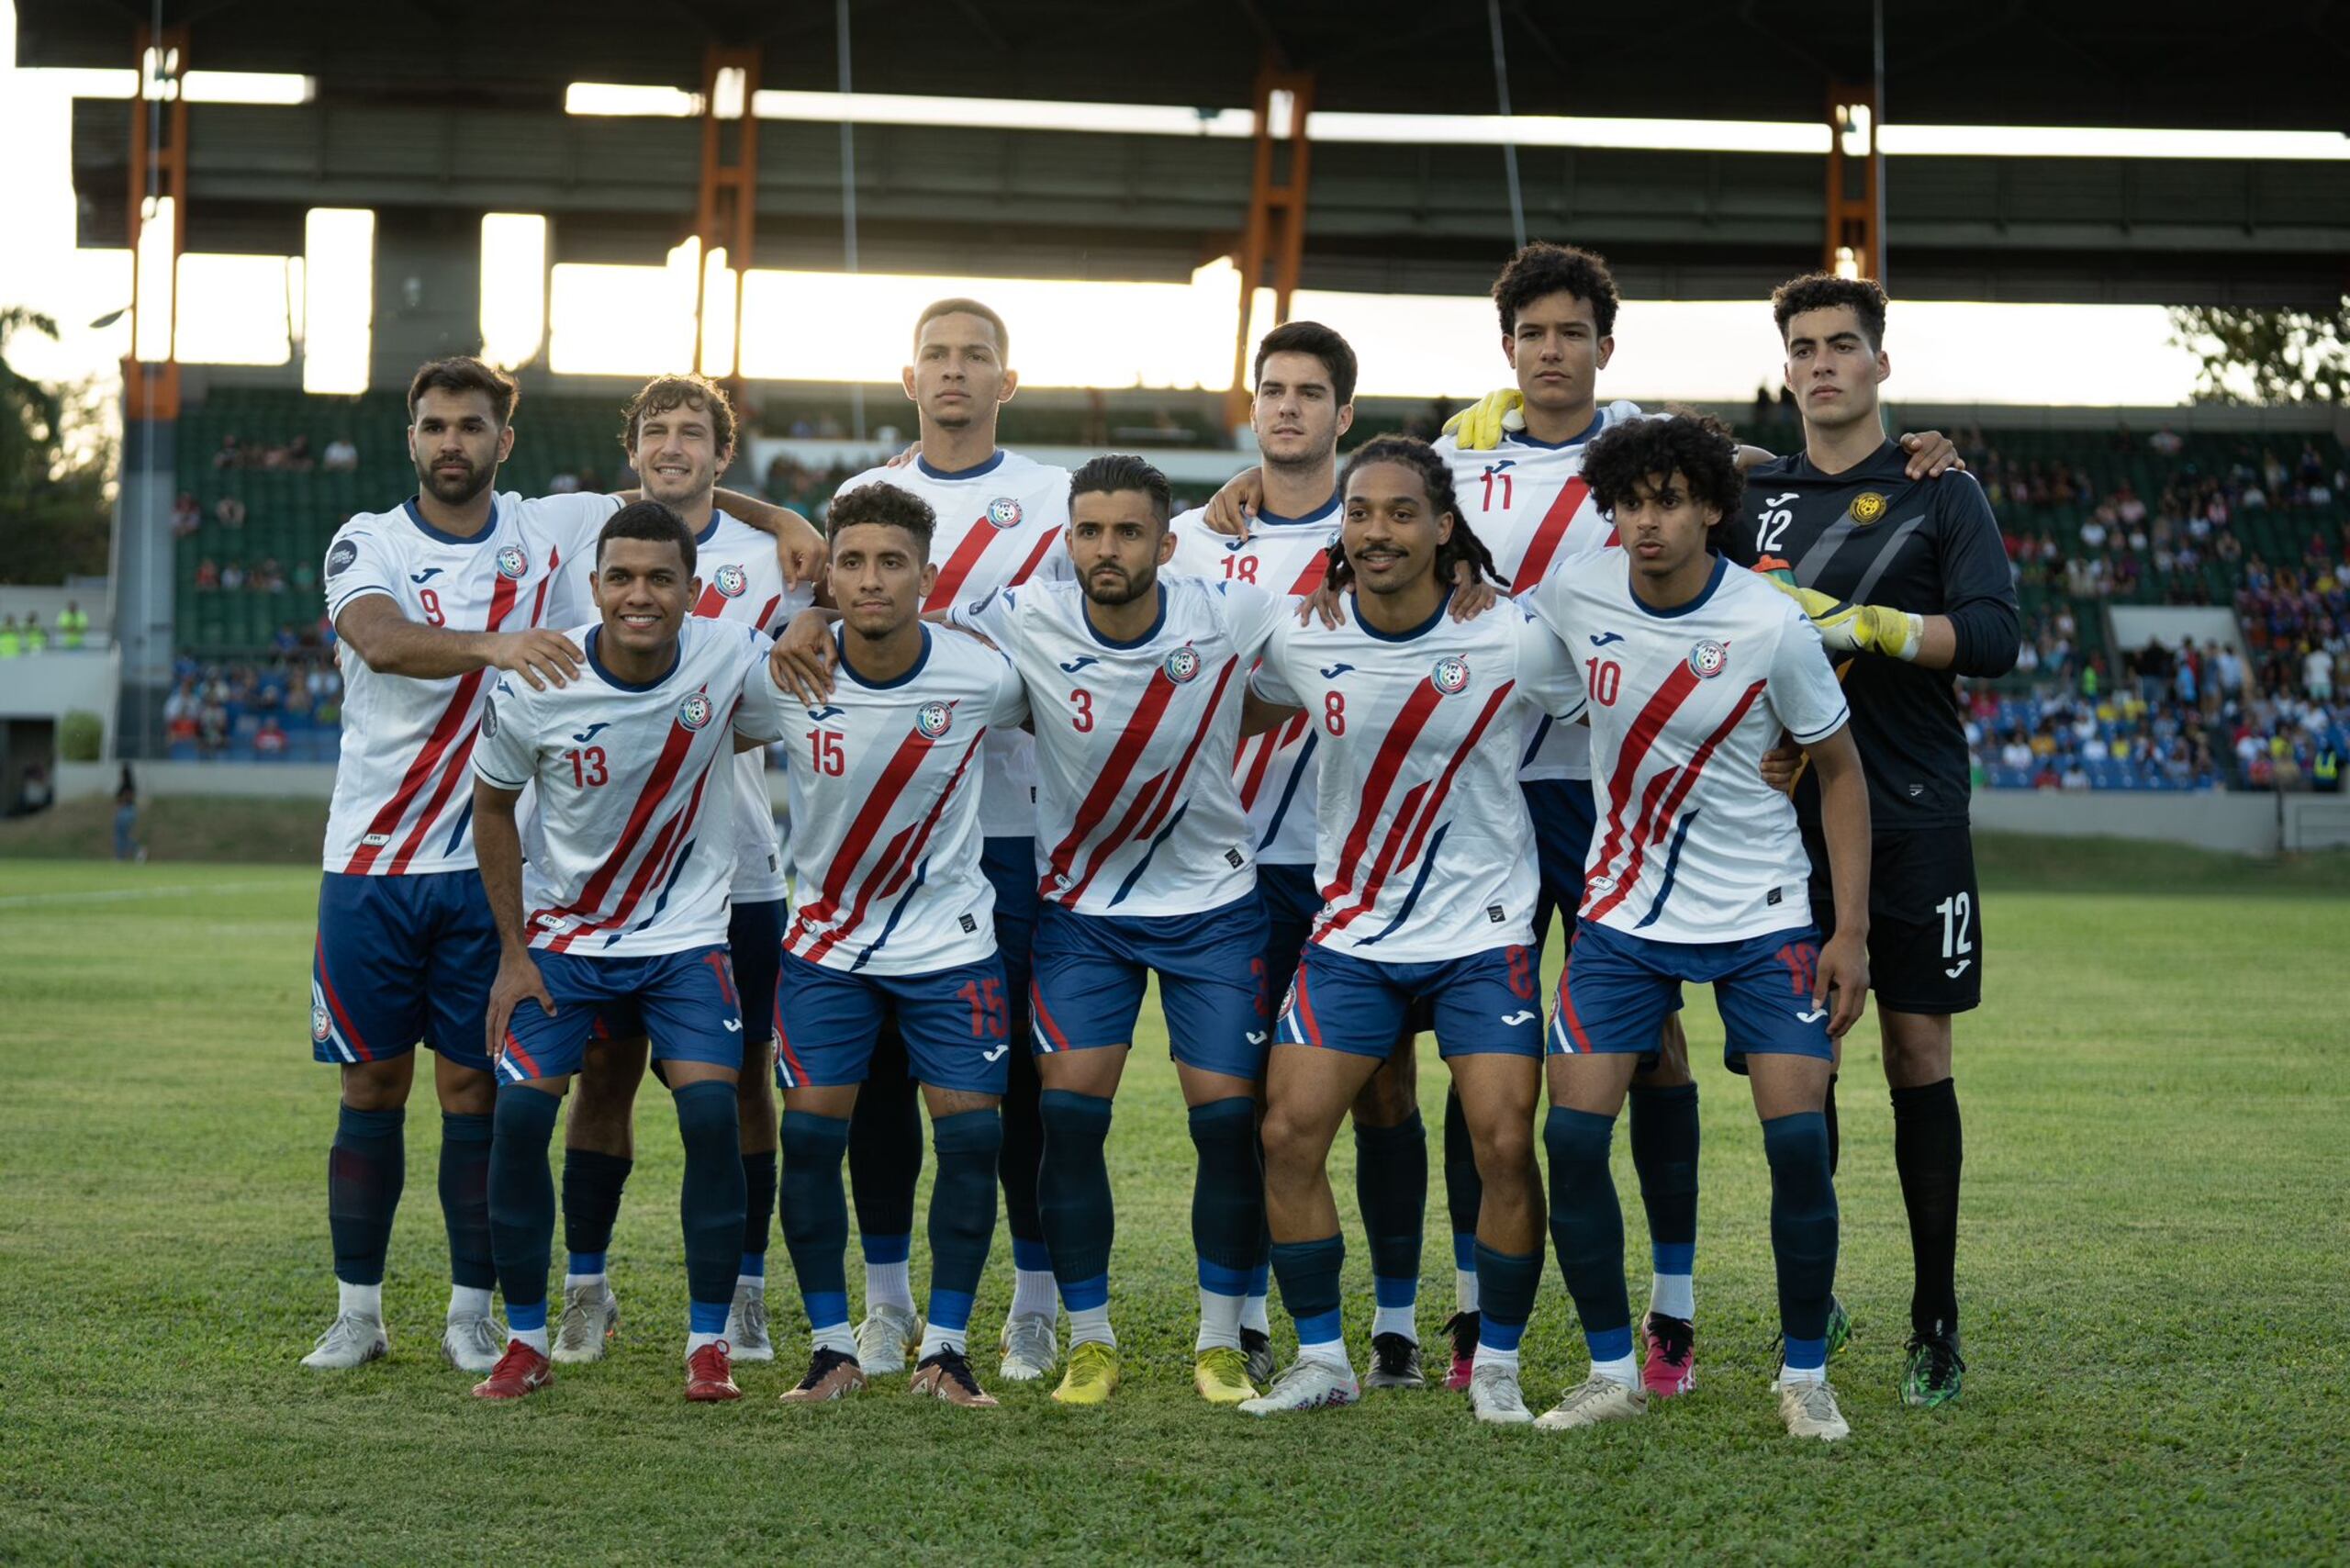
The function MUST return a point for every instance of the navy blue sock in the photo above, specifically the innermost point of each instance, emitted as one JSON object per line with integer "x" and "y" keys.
{"x": 1930, "y": 1150}
{"x": 1308, "y": 1272}
{"x": 521, "y": 1196}
{"x": 1587, "y": 1228}
{"x": 1024, "y": 1138}
{"x": 758, "y": 1208}
{"x": 464, "y": 1199}
{"x": 1803, "y": 1230}
{"x": 1227, "y": 1193}
{"x": 962, "y": 1211}
{"x": 1392, "y": 1187}
{"x": 885, "y": 1141}
{"x": 1505, "y": 1285}
{"x": 815, "y": 1213}
{"x": 1664, "y": 1157}
{"x": 1464, "y": 1190}
{"x": 711, "y": 1199}
{"x": 592, "y": 1183}
{"x": 1073, "y": 1194}
{"x": 366, "y": 1167}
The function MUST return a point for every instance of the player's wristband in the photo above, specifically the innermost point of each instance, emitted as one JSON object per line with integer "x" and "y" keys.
{"x": 1916, "y": 639}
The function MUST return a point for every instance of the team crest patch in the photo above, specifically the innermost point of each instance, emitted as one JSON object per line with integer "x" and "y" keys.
{"x": 1450, "y": 675}
{"x": 1867, "y": 506}
{"x": 732, "y": 581}
{"x": 934, "y": 719}
{"x": 512, "y": 563}
{"x": 1708, "y": 659}
{"x": 1183, "y": 665}
{"x": 1289, "y": 1000}
{"x": 320, "y": 1025}
{"x": 695, "y": 710}
{"x": 1004, "y": 512}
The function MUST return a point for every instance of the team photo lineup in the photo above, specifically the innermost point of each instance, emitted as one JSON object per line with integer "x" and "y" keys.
{"x": 1324, "y": 763}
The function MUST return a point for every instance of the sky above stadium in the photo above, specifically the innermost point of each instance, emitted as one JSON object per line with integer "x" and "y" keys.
{"x": 799, "y": 326}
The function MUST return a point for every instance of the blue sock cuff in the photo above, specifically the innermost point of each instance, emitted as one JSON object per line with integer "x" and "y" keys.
{"x": 1610, "y": 1344}
{"x": 1260, "y": 1280}
{"x": 950, "y": 1310}
{"x": 371, "y": 1124}
{"x": 753, "y": 1265}
{"x": 1082, "y": 1296}
{"x": 520, "y": 1105}
{"x": 1218, "y": 1279}
{"x": 1321, "y": 1327}
{"x": 1672, "y": 1256}
{"x": 710, "y": 1316}
{"x": 698, "y": 1098}
{"x": 1464, "y": 1250}
{"x": 887, "y": 1249}
{"x": 1394, "y": 1293}
{"x": 1031, "y": 1257}
{"x": 1215, "y": 1113}
{"x": 583, "y": 1263}
{"x": 1493, "y": 1331}
{"x": 524, "y": 1317}
{"x": 1797, "y": 1136}
{"x": 1064, "y": 1105}
{"x": 1804, "y": 1355}
{"x": 1577, "y": 1134}
{"x": 967, "y": 1132}
{"x": 826, "y": 1309}
{"x": 809, "y": 1126}
{"x": 457, "y": 1128}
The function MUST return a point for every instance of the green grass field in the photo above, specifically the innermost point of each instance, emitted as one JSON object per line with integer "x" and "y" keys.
{"x": 2159, "y": 1153}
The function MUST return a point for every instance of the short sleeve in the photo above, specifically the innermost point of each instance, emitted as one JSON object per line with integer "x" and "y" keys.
{"x": 1008, "y": 709}
{"x": 1268, "y": 682}
{"x": 571, "y": 523}
{"x": 503, "y": 755}
{"x": 996, "y": 617}
{"x": 1251, "y": 615}
{"x": 1804, "y": 694}
{"x": 1546, "y": 601}
{"x": 358, "y": 565}
{"x": 1546, "y": 672}
{"x": 764, "y": 706}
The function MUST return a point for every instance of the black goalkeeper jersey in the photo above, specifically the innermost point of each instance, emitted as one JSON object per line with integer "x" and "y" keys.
{"x": 1870, "y": 535}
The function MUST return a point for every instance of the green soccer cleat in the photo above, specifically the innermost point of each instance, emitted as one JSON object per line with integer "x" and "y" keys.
{"x": 1839, "y": 1325}
{"x": 1932, "y": 1377}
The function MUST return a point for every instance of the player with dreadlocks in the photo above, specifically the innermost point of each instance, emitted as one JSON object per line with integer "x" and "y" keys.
{"x": 1425, "y": 857}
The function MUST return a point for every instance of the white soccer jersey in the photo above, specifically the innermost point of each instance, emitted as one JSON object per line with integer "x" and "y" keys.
{"x": 1136, "y": 813}
{"x": 884, "y": 800}
{"x": 1424, "y": 851}
{"x": 999, "y": 525}
{"x": 1527, "y": 501}
{"x": 1692, "y": 844}
{"x": 1275, "y": 770}
{"x": 743, "y": 582}
{"x": 402, "y": 799}
{"x": 635, "y": 785}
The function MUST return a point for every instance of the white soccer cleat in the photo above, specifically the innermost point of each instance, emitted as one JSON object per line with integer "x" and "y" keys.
{"x": 1306, "y": 1386}
{"x": 591, "y": 1321}
{"x": 1495, "y": 1397}
{"x": 885, "y": 1337}
{"x": 1810, "y": 1410}
{"x": 746, "y": 1325}
{"x": 351, "y": 1340}
{"x": 1030, "y": 1347}
{"x": 1592, "y": 1401}
{"x": 473, "y": 1341}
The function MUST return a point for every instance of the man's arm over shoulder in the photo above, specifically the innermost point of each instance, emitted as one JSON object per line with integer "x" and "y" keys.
{"x": 1978, "y": 589}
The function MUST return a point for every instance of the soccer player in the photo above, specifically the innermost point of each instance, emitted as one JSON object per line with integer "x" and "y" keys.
{"x": 679, "y": 435}
{"x": 1136, "y": 682}
{"x": 1425, "y": 861}
{"x": 999, "y": 516}
{"x": 623, "y": 900}
{"x": 1305, "y": 378}
{"x": 1698, "y": 874}
{"x": 1909, "y": 585}
{"x": 891, "y": 919}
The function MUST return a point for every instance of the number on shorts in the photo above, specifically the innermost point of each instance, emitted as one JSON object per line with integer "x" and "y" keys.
{"x": 988, "y": 1015}
{"x": 1957, "y": 911}
{"x": 1521, "y": 973}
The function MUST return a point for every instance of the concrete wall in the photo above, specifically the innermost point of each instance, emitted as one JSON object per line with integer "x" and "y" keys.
{"x": 2246, "y": 824}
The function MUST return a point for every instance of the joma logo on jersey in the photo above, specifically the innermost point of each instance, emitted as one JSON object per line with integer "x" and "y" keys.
{"x": 1867, "y": 506}
{"x": 512, "y": 563}
{"x": 732, "y": 581}
{"x": 1708, "y": 659}
{"x": 1183, "y": 665}
{"x": 1450, "y": 675}
{"x": 934, "y": 719}
{"x": 1004, "y": 512}
{"x": 695, "y": 710}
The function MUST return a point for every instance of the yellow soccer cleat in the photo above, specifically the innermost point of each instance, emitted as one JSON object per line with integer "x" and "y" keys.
{"x": 1221, "y": 1374}
{"x": 1093, "y": 1374}
{"x": 1480, "y": 426}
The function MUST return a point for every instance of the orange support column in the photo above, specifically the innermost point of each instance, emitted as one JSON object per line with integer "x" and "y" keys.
{"x": 1275, "y": 237}
{"x": 726, "y": 216}
{"x": 1855, "y": 238}
{"x": 150, "y": 383}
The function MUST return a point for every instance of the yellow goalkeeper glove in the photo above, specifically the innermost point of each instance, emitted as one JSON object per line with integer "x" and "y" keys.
{"x": 1480, "y": 426}
{"x": 1853, "y": 628}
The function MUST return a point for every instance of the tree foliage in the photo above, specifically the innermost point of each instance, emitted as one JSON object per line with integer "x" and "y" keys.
{"x": 2268, "y": 356}
{"x": 56, "y": 453}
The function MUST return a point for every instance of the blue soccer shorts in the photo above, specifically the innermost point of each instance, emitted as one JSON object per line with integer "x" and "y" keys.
{"x": 687, "y": 999}
{"x": 957, "y": 1025}
{"x": 1486, "y": 1003}
{"x": 1291, "y": 900}
{"x": 1619, "y": 987}
{"x": 401, "y": 961}
{"x": 754, "y": 945}
{"x": 1213, "y": 989}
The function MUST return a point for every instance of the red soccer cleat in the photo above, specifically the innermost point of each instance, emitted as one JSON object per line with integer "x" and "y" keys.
{"x": 1462, "y": 1326}
{"x": 710, "y": 1375}
{"x": 520, "y": 1371}
{"x": 1671, "y": 1367}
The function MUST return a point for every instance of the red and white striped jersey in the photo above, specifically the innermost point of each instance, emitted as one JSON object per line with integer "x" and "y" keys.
{"x": 1274, "y": 771}
{"x": 1527, "y": 501}
{"x": 635, "y": 785}
{"x": 884, "y": 797}
{"x": 1423, "y": 848}
{"x": 999, "y": 524}
{"x": 1692, "y": 845}
{"x": 402, "y": 799}
{"x": 1136, "y": 813}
